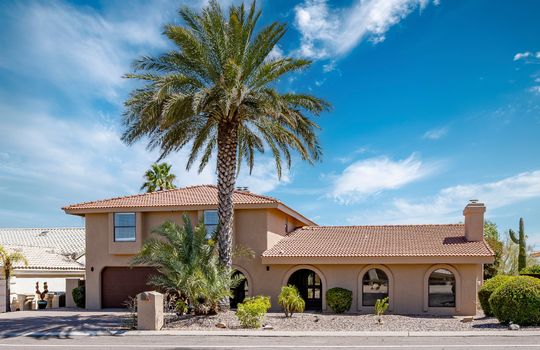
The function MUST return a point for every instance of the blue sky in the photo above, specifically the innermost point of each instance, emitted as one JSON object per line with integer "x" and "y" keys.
{"x": 434, "y": 103}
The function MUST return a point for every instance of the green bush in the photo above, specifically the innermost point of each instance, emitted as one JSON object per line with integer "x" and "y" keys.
{"x": 339, "y": 299}
{"x": 533, "y": 270}
{"x": 290, "y": 300}
{"x": 517, "y": 301}
{"x": 251, "y": 312}
{"x": 79, "y": 296}
{"x": 488, "y": 288}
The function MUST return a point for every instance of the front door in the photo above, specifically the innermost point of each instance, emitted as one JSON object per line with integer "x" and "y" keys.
{"x": 310, "y": 287}
{"x": 239, "y": 292}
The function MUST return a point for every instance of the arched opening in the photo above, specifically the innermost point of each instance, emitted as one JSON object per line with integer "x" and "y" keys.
{"x": 375, "y": 285}
{"x": 240, "y": 292}
{"x": 309, "y": 285}
{"x": 442, "y": 289}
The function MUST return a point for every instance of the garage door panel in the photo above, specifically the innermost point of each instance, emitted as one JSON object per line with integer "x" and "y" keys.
{"x": 120, "y": 283}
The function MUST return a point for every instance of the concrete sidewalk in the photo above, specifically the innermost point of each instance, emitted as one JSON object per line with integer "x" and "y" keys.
{"x": 265, "y": 334}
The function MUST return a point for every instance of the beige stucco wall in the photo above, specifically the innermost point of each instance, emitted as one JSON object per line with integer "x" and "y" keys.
{"x": 408, "y": 284}
{"x": 260, "y": 229}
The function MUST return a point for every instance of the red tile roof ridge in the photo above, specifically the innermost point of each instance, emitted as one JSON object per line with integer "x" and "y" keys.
{"x": 386, "y": 225}
{"x": 167, "y": 191}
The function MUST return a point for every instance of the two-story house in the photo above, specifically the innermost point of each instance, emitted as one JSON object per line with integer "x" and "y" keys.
{"x": 434, "y": 269}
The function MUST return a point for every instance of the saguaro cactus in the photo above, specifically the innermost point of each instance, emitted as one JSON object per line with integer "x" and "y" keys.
{"x": 522, "y": 257}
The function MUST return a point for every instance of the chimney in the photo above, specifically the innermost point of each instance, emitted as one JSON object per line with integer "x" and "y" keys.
{"x": 474, "y": 220}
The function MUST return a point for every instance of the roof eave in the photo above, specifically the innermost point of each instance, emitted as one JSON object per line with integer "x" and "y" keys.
{"x": 339, "y": 260}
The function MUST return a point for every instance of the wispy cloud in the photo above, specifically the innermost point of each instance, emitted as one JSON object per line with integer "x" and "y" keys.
{"x": 446, "y": 206}
{"x": 526, "y": 55}
{"x": 330, "y": 32}
{"x": 69, "y": 45}
{"x": 435, "y": 134}
{"x": 370, "y": 176}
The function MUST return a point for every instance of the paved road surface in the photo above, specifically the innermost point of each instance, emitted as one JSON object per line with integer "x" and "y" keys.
{"x": 250, "y": 342}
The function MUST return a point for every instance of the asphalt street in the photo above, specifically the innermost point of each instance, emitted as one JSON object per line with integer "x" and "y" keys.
{"x": 261, "y": 342}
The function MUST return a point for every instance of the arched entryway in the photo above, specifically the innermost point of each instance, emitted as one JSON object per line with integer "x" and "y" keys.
{"x": 310, "y": 286}
{"x": 240, "y": 292}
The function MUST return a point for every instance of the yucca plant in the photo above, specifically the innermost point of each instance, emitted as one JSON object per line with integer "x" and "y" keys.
{"x": 290, "y": 300}
{"x": 216, "y": 93}
{"x": 188, "y": 265}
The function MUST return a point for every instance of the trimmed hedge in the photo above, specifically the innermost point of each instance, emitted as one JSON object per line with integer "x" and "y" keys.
{"x": 488, "y": 288}
{"x": 79, "y": 296}
{"x": 533, "y": 270}
{"x": 339, "y": 299}
{"x": 517, "y": 301}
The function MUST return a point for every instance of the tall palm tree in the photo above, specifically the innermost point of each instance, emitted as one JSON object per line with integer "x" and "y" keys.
{"x": 8, "y": 260}
{"x": 217, "y": 91}
{"x": 159, "y": 178}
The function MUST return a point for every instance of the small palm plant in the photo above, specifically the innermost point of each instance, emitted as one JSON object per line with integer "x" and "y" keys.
{"x": 8, "y": 260}
{"x": 381, "y": 305}
{"x": 159, "y": 178}
{"x": 188, "y": 266}
{"x": 290, "y": 300}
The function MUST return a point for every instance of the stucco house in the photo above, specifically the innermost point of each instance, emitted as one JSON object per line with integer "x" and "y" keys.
{"x": 424, "y": 269}
{"x": 53, "y": 255}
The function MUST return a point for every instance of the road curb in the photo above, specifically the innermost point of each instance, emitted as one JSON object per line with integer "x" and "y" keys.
{"x": 270, "y": 333}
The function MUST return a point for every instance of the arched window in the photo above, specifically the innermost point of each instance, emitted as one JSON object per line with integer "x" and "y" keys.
{"x": 374, "y": 286}
{"x": 442, "y": 289}
{"x": 309, "y": 285}
{"x": 240, "y": 292}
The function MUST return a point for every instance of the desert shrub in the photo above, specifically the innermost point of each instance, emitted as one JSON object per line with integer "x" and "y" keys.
{"x": 251, "y": 312}
{"x": 488, "y": 288}
{"x": 79, "y": 296}
{"x": 290, "y": 300}
{"x": 339, "y": 299}
{"x": 381, "y": 305}
{"x": 517, "y": 301}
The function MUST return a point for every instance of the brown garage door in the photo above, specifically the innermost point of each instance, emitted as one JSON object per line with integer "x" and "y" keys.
{"x": 119, "y": 283}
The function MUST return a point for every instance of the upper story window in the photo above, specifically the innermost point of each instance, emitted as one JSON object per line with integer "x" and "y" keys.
{"x": 124, "y": 227}
{"x": 210, "y": 221}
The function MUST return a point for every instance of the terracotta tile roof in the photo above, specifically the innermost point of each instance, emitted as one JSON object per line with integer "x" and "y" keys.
{"x": 193, "y": 195}
{"x": 378, "y": 241}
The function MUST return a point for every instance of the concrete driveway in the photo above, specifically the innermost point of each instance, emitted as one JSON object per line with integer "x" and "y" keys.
{"x": 65, "y": 321}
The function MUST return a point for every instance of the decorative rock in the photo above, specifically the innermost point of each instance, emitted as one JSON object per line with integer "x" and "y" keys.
{"x": 268, "y": 326}
{"x": 221, "y": 325}
{"x": 513, "y": 327}
{"x": 467, "y": 319}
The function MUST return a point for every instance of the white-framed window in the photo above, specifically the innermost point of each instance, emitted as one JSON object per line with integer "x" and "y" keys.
{"x": 211, "y": 221}
{"x": 124, "y": 227}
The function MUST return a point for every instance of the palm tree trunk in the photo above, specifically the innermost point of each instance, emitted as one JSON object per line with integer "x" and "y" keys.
{"x": 8, "y": 291}
{"x": 226, "y": 180}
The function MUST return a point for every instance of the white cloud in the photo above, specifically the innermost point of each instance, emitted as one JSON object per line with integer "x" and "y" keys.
{"x": 69, "y": 45}
{"x": 370, "y": 176}
{"x": 275, "y": 53}
{"x": 527, "y": 54}
{"x": 447, "y": 205}
{"x": 435, "y": 134}
{"x": 329, "y": 67}
{"x": 329, "y": 32}
{"x": 536, "y": 89}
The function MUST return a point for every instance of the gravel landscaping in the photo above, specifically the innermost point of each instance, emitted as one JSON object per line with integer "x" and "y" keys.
{"x": 343, "y": 322}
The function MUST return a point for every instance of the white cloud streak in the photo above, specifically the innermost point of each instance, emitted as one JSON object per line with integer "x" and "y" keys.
{"x": 435, "y": 134}
{"x": 331, "y": 32}
{"x": 370, "y": 176}
{"x": 446, "y": 206}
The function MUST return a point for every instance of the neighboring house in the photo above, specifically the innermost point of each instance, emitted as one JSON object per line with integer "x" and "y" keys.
{"x": 435, "y": 269}
{"x": 53, "y": 255}
{"x": 536, "y": 255}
